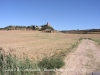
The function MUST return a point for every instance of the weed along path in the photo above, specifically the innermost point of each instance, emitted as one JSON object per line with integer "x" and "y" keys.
{"x": 84, "y": 60}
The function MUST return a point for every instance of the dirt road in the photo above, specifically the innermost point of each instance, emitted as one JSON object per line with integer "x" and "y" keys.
{"x": 84, "y": 60}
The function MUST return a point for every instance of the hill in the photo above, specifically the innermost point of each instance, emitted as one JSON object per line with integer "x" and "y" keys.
{"x": 31, "y": 27}
{"x": 89, "y": 31}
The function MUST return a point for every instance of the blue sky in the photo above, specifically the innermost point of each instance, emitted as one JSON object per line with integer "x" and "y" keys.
{"x": 61, "y": 14}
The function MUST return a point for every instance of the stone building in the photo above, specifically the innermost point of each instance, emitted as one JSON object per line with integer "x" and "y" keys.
{"x": 48, "y": 24}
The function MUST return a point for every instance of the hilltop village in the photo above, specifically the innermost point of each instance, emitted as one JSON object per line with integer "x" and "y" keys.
{"x": 47, "y": 28}
{"x": 44, "y": 28}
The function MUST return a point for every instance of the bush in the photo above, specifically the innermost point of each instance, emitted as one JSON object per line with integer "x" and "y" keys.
{"x": 51, "y": 63}
{"x": 80, "y": 39}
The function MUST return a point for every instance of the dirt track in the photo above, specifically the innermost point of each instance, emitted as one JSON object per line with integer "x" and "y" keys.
{"x": 84, "y": 60}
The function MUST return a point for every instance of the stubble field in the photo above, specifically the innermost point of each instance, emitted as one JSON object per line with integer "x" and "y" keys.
{"x": 35, "y": 44}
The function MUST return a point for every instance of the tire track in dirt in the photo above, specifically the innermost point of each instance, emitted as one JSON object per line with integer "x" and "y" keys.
{"x": 83, "y": 61}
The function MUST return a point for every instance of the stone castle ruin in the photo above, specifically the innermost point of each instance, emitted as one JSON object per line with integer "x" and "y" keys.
{"x": 49, "y": 30}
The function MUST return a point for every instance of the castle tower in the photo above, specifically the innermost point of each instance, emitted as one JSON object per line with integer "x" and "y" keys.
{"x": 48, "y": 24}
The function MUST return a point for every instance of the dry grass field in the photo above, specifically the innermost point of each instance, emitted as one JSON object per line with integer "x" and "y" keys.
{"x": 35, "y": 44}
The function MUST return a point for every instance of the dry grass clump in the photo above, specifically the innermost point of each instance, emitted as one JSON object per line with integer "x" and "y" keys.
{"x": 11, "y": 65}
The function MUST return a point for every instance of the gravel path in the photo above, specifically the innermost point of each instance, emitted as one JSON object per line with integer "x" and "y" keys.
{"x": 84, "y": 60}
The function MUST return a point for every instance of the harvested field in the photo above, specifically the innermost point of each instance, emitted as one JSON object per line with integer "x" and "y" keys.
{"x": 35, "y": 44}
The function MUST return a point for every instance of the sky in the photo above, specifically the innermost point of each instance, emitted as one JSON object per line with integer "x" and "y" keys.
{"x": 61, "y": 14}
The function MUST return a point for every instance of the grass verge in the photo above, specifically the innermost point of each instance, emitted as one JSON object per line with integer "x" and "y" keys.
{"x": 11, "y": 65}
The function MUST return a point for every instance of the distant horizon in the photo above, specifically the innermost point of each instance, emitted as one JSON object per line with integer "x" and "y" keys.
{"x": 61, "y": 14}
{"x": 54, "y": 28}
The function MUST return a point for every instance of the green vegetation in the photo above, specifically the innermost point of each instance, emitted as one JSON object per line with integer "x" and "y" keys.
{"x": 10, "y": 65}
{"x": 31, "y": 27}
{"x": 80, "y": 39}
{"x": 51, "y": 63}
{"x": 43, "y": 27}
{"x": 89, "y": 31}
{"x": 98, "y": 41}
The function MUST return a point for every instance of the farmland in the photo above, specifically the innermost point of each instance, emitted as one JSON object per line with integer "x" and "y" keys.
{"x": 35, "y": 44}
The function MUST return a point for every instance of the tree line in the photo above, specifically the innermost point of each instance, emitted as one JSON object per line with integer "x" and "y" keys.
{"x": 31, "y": 27}
{"x": 81, "y": 31}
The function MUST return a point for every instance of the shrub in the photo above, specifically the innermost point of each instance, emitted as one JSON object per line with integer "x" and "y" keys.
{"x": 51, "y": 63}
{"x": 80, "y": 39}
